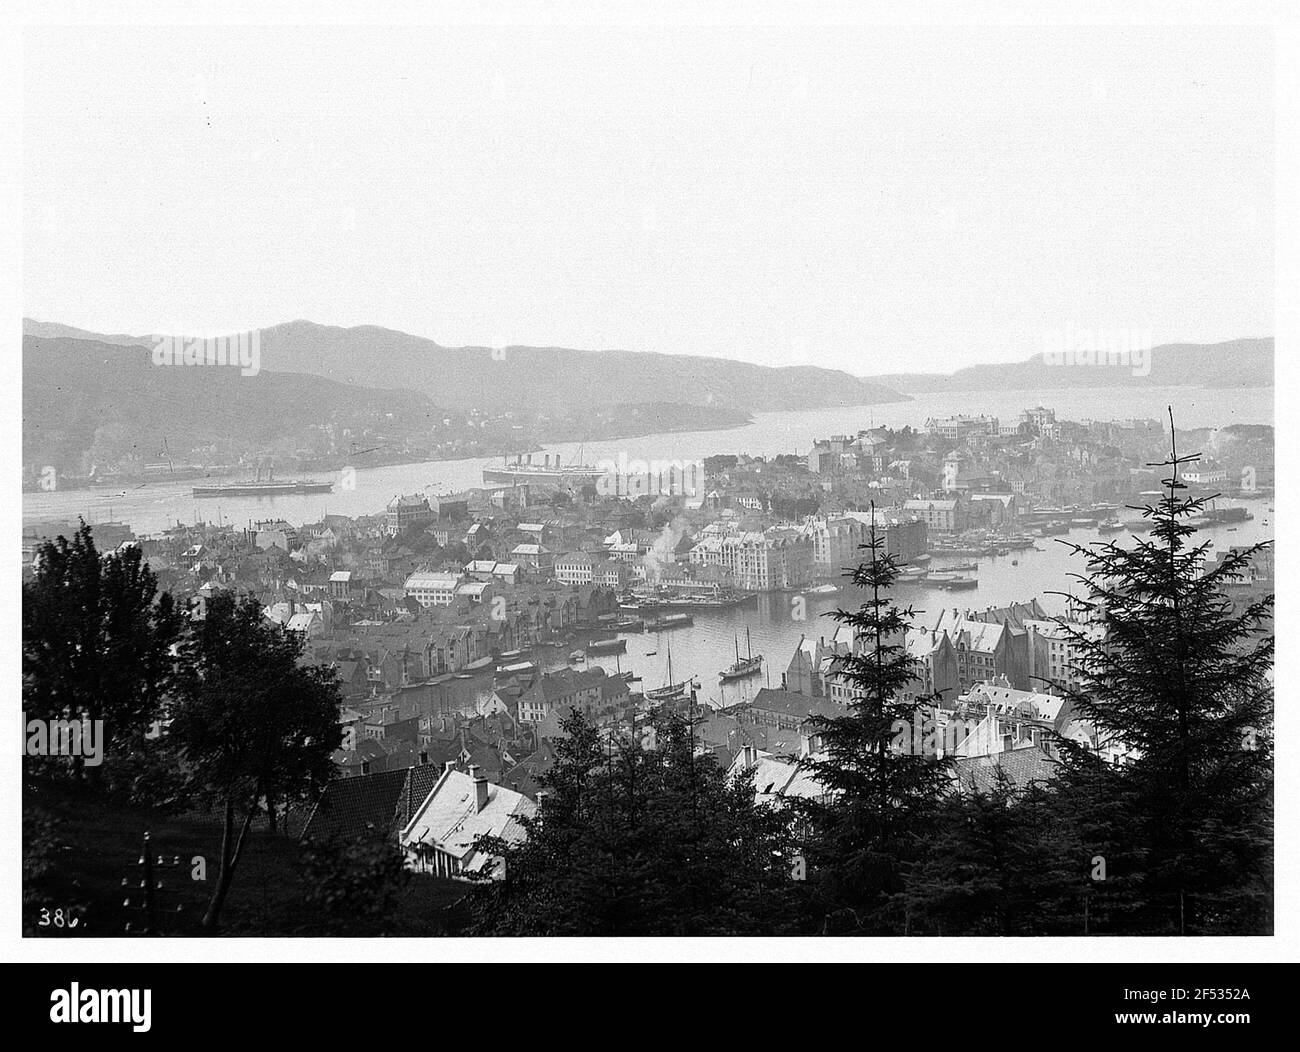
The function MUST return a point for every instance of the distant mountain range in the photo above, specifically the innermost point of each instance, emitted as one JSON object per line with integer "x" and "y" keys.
{"x": 96, "y": 398}
{"x": 81, "y": 395}
{"x": 533, "y": 377}
{"x": 1235, "y": 363}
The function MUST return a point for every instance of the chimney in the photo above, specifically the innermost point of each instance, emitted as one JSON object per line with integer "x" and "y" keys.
{"x": 480, "y": 787}
{"x": 751, "y": 756}
{"x": 448, "y": 766}
{"x": 424, "y": 757}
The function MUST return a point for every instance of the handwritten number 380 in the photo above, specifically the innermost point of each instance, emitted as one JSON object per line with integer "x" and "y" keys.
{"x": 58, "y": 919}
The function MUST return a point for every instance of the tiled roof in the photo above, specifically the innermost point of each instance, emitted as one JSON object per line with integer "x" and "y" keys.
{"x": 384, "y": 801}
{"x": 790, "y": 703}
{"x": 350, "y": 806}
{"x": 1022, "y": 766}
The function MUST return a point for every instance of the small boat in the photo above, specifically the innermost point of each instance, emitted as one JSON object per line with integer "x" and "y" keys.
{"x": 1015, "y": 562}
{"x": 953, "y": 580}
{"x": 629, "y": 624}
{"x": 607, "y": 646}
{"x": 1110, "y": 526}
{"x": 670, "y": 691}
{"x": 669, "y": 621}
{"x": 824, "y": 589}
{"x": 748, "y": 666}
{"x": 577, "y": 657}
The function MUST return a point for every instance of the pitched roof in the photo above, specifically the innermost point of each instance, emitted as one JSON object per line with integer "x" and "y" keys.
{"x": 450, "y": 818}
{"x": 790, "y": 703}
{"x": 1022, "y": 766}
{"x": 350, "y": 806}
{"x": 384, "y": 801}
{"x": 776, "y": 779}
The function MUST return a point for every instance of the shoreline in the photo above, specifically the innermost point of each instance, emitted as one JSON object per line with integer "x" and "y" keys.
{"x": 394, "y": 461}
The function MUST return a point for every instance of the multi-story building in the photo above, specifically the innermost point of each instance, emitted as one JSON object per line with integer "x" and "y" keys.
{"x": 531, "y": 556}
{"x": 574, "y": 567}
{"x": 984, "y": 651}
{"x": 612, "y": 573}
{"x": 779, "y": 559}
{"x": 403, "y": 512}
{"x": 449, "y": 509}
{"x": 1040, "y": 418}
{"x": 1205, "y": 473}
{"x": 959, "y": 428}
{"x": 814, "y": 668}
{"x": 433, "y": 588}
{"x": 1057, "y": 652}
{"x": 835, "y": 543}
{"x": 587, "y": 691}
{"x": 939, "y": 516}
{"x": 938, "y": 672}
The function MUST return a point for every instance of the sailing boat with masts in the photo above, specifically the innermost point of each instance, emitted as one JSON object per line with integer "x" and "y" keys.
{"x": 670, "y": 691}
{"x": 743, "y": 667}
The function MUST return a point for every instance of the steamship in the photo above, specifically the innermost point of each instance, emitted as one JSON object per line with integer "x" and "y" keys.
{"x": 265, "y": 487}
{"x": 549, "y": 472}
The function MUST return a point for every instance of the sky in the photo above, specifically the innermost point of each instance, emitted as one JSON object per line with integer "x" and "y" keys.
{"x": 875, "y": 200}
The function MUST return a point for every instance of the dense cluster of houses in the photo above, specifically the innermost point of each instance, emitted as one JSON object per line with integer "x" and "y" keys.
{"x": 417, "y": 607}
{"x": 996, "y": 695}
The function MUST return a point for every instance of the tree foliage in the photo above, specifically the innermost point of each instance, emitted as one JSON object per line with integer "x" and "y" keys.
{"x": 353, "y": 882}
{"x": 1181, "y": 675}
{"x": 97, "y": 640}
{"x": 634, "y": 840}
{"x": 866, "y": 831}
{"x": 252, "y": 723}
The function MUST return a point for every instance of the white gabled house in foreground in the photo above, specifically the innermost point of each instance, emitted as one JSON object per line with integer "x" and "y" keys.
{"x": 440, "y": 837}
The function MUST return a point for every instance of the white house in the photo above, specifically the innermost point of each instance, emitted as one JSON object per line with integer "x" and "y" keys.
{"x": 440, "y": 838}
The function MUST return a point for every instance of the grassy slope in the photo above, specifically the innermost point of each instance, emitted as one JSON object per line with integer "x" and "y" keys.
{"x": 99, "y": 844}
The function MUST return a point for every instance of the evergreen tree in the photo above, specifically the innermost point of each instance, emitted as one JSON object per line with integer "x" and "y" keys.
{"x": 636, "y": 840}
{"x": 1181, "y": 675}
{"x": 882, "y": 785}
{"x": 1002, "y": 861}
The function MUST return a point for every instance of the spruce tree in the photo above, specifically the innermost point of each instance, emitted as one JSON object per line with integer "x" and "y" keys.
{"x": 1182, "y": 676}
{"x": 636, "y": 840}
{"x": 881, "y": 784}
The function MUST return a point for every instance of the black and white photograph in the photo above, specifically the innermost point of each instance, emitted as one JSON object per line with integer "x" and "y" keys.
{"x": 773, "y": 482}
